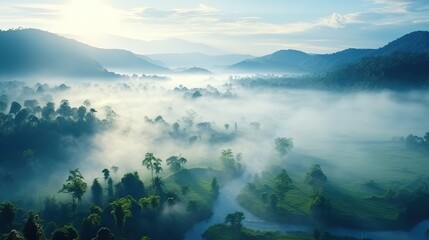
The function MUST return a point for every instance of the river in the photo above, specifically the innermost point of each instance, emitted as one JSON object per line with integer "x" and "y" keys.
{"x": 226, "y": 203}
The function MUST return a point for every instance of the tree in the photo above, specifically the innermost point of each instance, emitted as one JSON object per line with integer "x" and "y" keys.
{"x": 75, "y": 185}
{"x": 65, "y": 233}
{"x": 152, "y": 163}
{"x": 176, "y": 163}
{"x": 131, "y": 185}
{"x": 321, "y": 209}
{"x": 110, "y": 193}
{"x": 121, "y": 210}
{"x": 15, "y": 108}
{"x": 32, "y": 228}
{"x": 7, "y": 214}
{"x": 13, "y": 235}
{"x": 316, "y": 178}
{"x": 114, "y": 169}
{"x": 235, "y": 219}
{"x": 283, "y": 145}
{"x": 151, "y": 202}
{"x": 97, "y": 192}
{"x": 106, "y": 174}
{"x": 215, "y": 186}
{"x": 92, "y": 223}
{"x": 273, "y": 200}
{"x": 157, "y": 184}
{"x": 226, "y": 126}
{"x": 229, "y": 162}
{"x": 104, "y": 234}
{"x": 282, "y": 184}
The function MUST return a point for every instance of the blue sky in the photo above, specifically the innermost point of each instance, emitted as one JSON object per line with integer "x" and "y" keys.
{"x": 239, "y": 26}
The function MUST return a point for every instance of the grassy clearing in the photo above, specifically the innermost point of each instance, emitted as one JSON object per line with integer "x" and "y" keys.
{"x": 194, "y": 188}
{"x": 359, "y": 175}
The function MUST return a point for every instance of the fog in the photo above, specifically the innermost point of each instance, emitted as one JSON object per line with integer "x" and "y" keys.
{"x": 321, "y": 123}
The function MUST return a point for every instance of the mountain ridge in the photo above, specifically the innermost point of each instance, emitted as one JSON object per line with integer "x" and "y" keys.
{"x": 284, "y": 61}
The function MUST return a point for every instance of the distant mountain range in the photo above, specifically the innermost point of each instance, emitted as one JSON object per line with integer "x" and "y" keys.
{"x": 167, "y": 46}
{"x": 402, "y": 64}
{"x": 196, "y": 59}
{"x": 292, "y": 61}
{"x": 31, "y": 52}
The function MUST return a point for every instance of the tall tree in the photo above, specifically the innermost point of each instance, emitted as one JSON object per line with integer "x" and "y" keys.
{"x": 152, "y": 163}
{"x": 316, "y": 178}
{"x": 110, "y": 193}
{"x": 97, "y": 192}
{"x": 7, "y": 214}
{"x": 121, "y": 210}
{"x": 215, "y": 186}
{"x": 32, "y": 228}
{"x": 104, "y": 234}
{"x": 283, "y": 145}
{"x": 75, "y": 186}
{"x": 106, "y": 175}
{"x": 65, "y": 233}
{"x": 282, "y": 184}
{"x": 176, "y": 162}
{"x": 157, "y": 184}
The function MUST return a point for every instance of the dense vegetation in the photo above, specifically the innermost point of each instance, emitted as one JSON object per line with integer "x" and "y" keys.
{"x": 309, "y": 197}
{"x": 128, "y": 208}
{"x": 398, "y": 71}
{"x": 233, "y": 230}
{"x": 35, "y": 137}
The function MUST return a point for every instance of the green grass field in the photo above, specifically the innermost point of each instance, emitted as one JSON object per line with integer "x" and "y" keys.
{"x": 359, "y": 175}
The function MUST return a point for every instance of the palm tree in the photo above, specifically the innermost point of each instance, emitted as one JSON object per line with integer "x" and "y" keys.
{"x": 152, "y": 163}
{"x": 157, "y": 184}
{"x": 106, "y": 174}
{"x": 176, "y": 162}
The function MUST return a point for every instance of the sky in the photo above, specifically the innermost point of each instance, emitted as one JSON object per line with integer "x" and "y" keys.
{"x": 240, "y": 26}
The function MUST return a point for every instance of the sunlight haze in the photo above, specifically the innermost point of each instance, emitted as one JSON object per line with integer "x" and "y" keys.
{"x": 246, "y": 27}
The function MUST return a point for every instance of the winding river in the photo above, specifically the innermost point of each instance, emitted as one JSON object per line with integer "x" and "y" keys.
{"x": 226, "y": 203}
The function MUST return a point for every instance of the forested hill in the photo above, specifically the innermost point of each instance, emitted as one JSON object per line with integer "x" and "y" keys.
{"x": 32, "y": 52}
{"x": 286, "y": 61}
{"x": 402, "y": 64}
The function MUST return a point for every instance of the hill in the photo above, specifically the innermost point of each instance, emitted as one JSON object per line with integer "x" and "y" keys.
{"x": 33, "y": 52}
{"x": 286, "y": 61}
{"x": 118, "y": 59}
{"x": 178, "y": 60}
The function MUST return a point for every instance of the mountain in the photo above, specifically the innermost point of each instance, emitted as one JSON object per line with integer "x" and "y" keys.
{"x": 280, "y": 61}
{"x": 415, "y": 42}
{"x": 117, "y": 59}
{"x": 293, "y": 61}
{"x": 194, "y": 71}
{"x": 34, "y": 52}
{"x": 178, "y": 60}
{"x": 285, "y": 61}
{"x": 170, "y": 45}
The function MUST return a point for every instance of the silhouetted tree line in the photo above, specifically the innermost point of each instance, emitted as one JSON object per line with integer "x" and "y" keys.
{"x": 397, "y": 71}
{"x": 33, "y": 136}
{"x": 414, "y": 141}
{"x": 187, "y": 130}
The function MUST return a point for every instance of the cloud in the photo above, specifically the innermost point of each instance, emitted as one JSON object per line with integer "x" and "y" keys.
{"x": 336, "y": 20}
{"x": 200, "y": 11}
